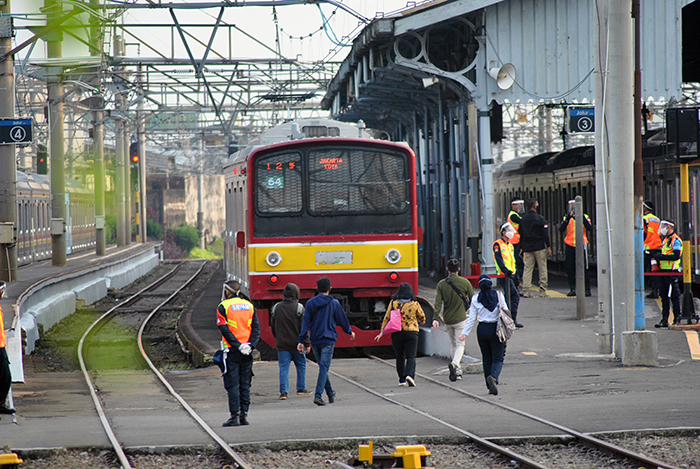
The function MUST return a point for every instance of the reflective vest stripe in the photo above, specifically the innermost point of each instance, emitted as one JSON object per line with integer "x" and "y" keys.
{"x": 507, "y": 254}
{"x": 666, "y": 250}
{"x": 2, "y": 330}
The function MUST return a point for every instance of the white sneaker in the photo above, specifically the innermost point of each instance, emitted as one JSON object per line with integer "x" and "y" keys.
{"x": 410, "y": 381}
{"x": 403, "y": 383}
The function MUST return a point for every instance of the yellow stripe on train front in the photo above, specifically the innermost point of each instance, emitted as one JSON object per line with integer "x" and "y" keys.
{"x": 332, "y": 256}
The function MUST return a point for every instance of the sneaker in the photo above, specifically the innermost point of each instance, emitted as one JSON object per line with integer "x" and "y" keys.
{"x": 410, "y": 381}
{"x": 453, "y": 371}
{"x": 331, "y": 398}
{"x": 232, "y": 422}
{"x": 403, "y": 383}
{"x": 491, "y": 383}
{"x": 543, "y": 293}
{"x": 518, "y": 325}
{"x": 319, "y": 401}
{"x": 661, "y": 324}
{"x": 572, "y": 292}
{"x": 303, "y": 392}
{"x": 527, "y": 294}
{"x": 7, "y": 410}
{"x": 459, "y": 376}
{"x": 283, "y": 396}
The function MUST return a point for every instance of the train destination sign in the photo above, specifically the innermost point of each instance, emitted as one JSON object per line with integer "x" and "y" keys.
{"x": 580, "y": 119}
{"x": 15, "y": 130}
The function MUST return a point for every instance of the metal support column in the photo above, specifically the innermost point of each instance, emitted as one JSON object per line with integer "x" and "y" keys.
{"x": 57, "y": 149}
{"x": 141, "y": 135}
{"x": 8, "y": 165}
{"x": 98, "y": 142}
{"x": 120, "y": 158}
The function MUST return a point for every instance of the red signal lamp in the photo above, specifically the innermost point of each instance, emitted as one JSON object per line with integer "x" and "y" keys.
{"x": 135, "y": 159}
{"x": 394, "y": 277}
{"x": 274, "y": 279}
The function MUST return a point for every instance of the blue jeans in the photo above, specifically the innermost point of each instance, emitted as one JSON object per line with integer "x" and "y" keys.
{"x": 285, "y": 358}
{"x": 492, "y": 349}
{"x": 324, "y": 355}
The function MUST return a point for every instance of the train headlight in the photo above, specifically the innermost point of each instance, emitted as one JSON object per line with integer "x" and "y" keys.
{"x": 393, "y": 256}
{"x": 273, "y": 258}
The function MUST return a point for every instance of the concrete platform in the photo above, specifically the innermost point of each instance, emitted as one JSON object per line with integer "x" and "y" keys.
{"x": 44, "y": 294}
{"x": 552, "y": 369}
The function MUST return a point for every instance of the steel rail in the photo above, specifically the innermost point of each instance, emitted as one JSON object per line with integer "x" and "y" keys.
{"x": 238, "y": 461}
{"x": 637, "y": 458}
{"x": 484, "y": 443}
{"x": 95, "y": 399}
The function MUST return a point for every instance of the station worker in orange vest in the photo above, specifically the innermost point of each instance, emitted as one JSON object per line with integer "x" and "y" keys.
{"x": 652, "y": 244}
{"x": 5, "y": 375}
{"x": 669, "y": 260}
{"x": 568, "y": 226}
{"x": 517, "y": 208}
{"x": 240, "y": 329}
{"x": 504, "y": 255}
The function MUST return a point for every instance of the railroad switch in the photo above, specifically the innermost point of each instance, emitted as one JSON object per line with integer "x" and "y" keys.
{"x": 9, "y": 460}
{"x": 406, "y": 456}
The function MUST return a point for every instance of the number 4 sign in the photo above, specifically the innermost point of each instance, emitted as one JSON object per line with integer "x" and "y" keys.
{"x": 15, "y": 130}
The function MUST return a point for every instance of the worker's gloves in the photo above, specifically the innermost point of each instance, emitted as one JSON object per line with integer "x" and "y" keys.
{"x": 245, "y": 349}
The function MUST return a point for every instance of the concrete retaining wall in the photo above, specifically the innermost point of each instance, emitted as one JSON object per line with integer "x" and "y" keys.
{"x": 46, "y": 303}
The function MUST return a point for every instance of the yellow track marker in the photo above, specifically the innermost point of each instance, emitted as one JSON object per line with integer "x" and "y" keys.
{"x": 693, "y": 344}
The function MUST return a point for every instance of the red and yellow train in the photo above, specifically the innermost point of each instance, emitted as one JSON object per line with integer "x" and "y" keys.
{"x": 317, "y": 198}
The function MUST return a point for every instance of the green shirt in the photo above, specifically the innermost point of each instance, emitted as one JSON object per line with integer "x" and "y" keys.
{"x": 454, "y": 306}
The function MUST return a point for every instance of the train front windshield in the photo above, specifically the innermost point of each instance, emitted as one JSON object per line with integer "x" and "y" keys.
{"x": 332, "y": 190}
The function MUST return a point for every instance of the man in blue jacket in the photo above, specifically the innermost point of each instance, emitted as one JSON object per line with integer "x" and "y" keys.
{"x": 323, "y": 314}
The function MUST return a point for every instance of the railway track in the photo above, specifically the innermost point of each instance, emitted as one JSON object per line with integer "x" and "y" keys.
{"x": 115, "y": 388}
{"x": 593, "y": 447}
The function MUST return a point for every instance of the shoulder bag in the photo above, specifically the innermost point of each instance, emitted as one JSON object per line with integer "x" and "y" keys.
{"x": 394, "y": 324}
{"x": 504, "y": 325}
{"x": 461, "y": 295}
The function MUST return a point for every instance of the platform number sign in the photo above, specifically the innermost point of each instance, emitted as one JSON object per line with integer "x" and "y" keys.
{"x": 580, "y": 119}
{"x": 15, "y": 130}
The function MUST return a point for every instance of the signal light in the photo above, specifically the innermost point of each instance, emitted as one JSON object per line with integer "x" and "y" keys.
{"x": 134, "y": 153}
{"x": 42, "y": 161}
{"x": 274, "y": 279}
{"x": 393, "y": 277}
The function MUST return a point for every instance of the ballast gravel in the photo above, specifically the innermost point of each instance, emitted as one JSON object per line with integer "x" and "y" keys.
{"x": 680, "y": 451}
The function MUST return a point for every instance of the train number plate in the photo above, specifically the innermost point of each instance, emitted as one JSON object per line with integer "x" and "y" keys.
{"x": 333, "y": 257}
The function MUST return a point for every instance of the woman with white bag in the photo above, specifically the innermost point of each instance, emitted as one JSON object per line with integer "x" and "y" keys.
{"x": 403, "y": 327}
{"x": 485, "y": 308}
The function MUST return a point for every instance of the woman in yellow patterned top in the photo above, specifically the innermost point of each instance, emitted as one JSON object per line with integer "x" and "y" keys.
{"x": 405, "y": 341}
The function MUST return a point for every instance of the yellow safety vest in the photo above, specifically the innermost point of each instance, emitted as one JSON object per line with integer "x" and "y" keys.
{"x": 666, "y": 250}
{"x": 507, "y": 253}
{"x": 516, "y": 238}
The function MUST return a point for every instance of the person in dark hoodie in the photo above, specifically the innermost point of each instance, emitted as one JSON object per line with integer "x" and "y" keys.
{"x": 323, "y": 314}
{"x": 285, "y": 322}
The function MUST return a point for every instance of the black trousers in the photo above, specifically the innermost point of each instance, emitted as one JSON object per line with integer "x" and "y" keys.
{"x": 668, "y": 287}
{"x": 571, "y": 269}
{"x": 5, "y": 376}
{"x": 651, "y": 281}
{"x": 405, "y": 346}
{"x": 519, "y": 264}
{"x": 237, "y": 381}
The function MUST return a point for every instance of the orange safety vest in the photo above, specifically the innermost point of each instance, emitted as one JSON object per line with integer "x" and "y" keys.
{"x": 516, "y": 237}
{"x": 652, "y": 240}
{"x": 239, "y": 318}
{"x": 571, "y": 232}
{"x": 667, "y": 249}
{"x": 2, "y": 330}
{"x": 507, "y": 253}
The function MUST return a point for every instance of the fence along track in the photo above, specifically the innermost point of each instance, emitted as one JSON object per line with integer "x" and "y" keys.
{"x": 586, "y": 440}
{"x": 119, "y": 451}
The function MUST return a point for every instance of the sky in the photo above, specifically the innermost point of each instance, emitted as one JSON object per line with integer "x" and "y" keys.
{"x": 299, "y": 28}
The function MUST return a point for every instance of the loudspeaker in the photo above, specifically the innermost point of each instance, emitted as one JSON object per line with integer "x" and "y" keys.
{"x": 504, "y": 76}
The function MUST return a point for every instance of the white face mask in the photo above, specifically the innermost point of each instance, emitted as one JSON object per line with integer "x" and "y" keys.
{"x": 510, "y": 234}
{"x": 663, "y": 231}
